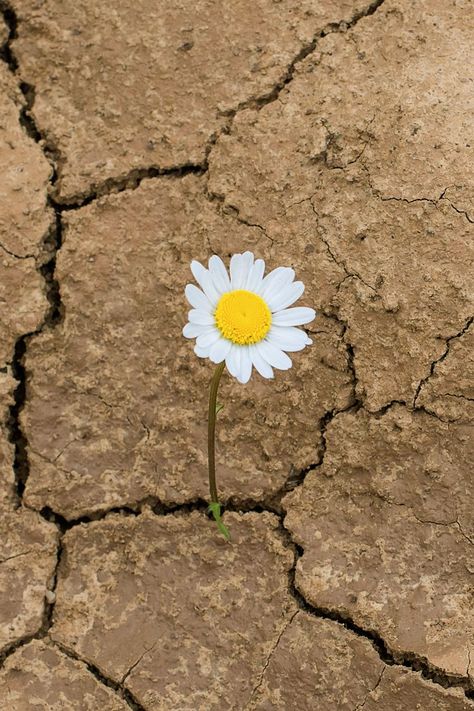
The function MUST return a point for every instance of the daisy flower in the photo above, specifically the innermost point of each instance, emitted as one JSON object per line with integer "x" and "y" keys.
{"x": 244, "y": 319}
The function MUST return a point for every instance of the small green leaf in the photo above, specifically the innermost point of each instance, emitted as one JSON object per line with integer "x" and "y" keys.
{"x": 219, "y": 407}
{"x": 215, "y": 509}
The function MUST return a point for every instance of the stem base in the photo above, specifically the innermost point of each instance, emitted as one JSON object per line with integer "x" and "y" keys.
{"x": 215, "y": 509}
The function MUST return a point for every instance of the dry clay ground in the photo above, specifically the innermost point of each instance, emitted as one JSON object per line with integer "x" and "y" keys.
{"x": 335, "y": 136}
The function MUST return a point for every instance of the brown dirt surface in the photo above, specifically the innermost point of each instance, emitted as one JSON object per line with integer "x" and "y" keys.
{"x": 319, "y": 664}
{"x": 184, "y": 70}
{"x": 39, "y": 676}
{"x": 3, "y": 32}
{"x": 332, "y": 137}
{"x": 28, "y": 556}
{"x": 24, "y": 217}
{"x": 24, "y": 222}
{"x": 449, "y": 392}
{"x": 399, "y": 560}
{"x": 7, "y": 476}
{"x": 169, "y": 610}
{"x": 136, "y": 445}
{"x": 369, "y": 186}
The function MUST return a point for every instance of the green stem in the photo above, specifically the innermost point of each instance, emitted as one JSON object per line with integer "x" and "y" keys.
{"x": 214, "y": 506}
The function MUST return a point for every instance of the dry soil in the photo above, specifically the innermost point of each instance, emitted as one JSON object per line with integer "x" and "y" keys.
{"x": 333, "y": 136}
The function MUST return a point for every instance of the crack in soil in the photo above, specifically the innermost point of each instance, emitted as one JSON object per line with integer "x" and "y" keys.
{"x": 52, "y": 243}
{"x": 136, "y": 663}
{"x": 10, "y": 19}
{"x": 14, "y": 556}
{"x": 132, "y": 180}
{"x": 14, "y": 255}
{"x": 269, "y": 97}
{"x": 459, "y": 211}
{"x": 339, "y": 262}
{"x": 49, "y": 602}
{"x": 407, "y": 659}
{"x": 442, "y": 357}
{"x": 259, "y": 683}
{"x": 119, "y": 689}
{"x": 371, "y": 691}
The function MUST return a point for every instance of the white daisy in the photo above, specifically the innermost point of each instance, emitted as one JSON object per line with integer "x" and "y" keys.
{"x": 245, "y": 319}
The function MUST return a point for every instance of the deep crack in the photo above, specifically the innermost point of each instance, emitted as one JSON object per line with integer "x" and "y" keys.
{"x": 130, "y": 181}
{"x": 54, "y": 315}
{"x": 16, "y": 435}
{"x": 6, "y": 54}
{"x": 46, "y": 266}
{"x": 406, "y": 659}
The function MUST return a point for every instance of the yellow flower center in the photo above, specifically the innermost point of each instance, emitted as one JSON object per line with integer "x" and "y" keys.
{"x": 243, "y": 317}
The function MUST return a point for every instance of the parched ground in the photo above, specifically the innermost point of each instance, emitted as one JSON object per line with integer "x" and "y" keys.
{"x": 335, "y": 136}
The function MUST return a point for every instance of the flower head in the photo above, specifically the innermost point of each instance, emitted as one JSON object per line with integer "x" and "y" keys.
{"x": 244, "y": 319}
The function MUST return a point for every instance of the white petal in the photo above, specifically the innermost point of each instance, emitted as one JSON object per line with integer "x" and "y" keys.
{"x": 236, "y": 270}
{"x": 201, "y": 352}
{"x": 201, "y": 317}
{"x": 270, "y": 278}
{"x": 208, "y": 339}
{"x": 220, "y": 350}
{"x": 240, "y": 266}
{"x": 286, "y": 296}
{"x": 232, "y": 361}
{"x": 288, "y": 338}
{"x": 294, "y": 317}
{"x": 260, "y": 364}
{"x": 276, "y": 286}
{"x": 204, "y": 280}
{"x": 193, "y": 330}
{"x": 255, "y": 276}
{"x": 219, "y": 274}
{"x": 274, "y": 356}
{"x": 197, "y": 299}
{"x": 245, "y": 365}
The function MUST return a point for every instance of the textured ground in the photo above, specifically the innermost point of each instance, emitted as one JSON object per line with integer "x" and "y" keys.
{"x": 333, "y": 136}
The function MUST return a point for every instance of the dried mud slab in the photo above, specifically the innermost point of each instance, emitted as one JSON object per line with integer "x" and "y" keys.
{"x": 449, "y": 392}
{"x": 387, "y": 528}
{"x": 345, "y": 167}
{"x": 163, "y": 605}
{"x": 99, "y": 435}
{"x": 116, "y": 94}
{"x": 7, "y": 478}
{"x": 24, "y": 222}
{"x": 319, "y": 664}
{"x": 24, "y": 217}
{"x": 23, "y": 303}
{"x": 38, "y": 676}
{"x": 28, "y": 547}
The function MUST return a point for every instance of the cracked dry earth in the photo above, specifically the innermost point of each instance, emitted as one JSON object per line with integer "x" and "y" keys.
{"x": 333, "y": 136}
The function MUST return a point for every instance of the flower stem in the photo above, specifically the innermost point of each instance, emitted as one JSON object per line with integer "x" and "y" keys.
{"x": 214, "y": 506}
